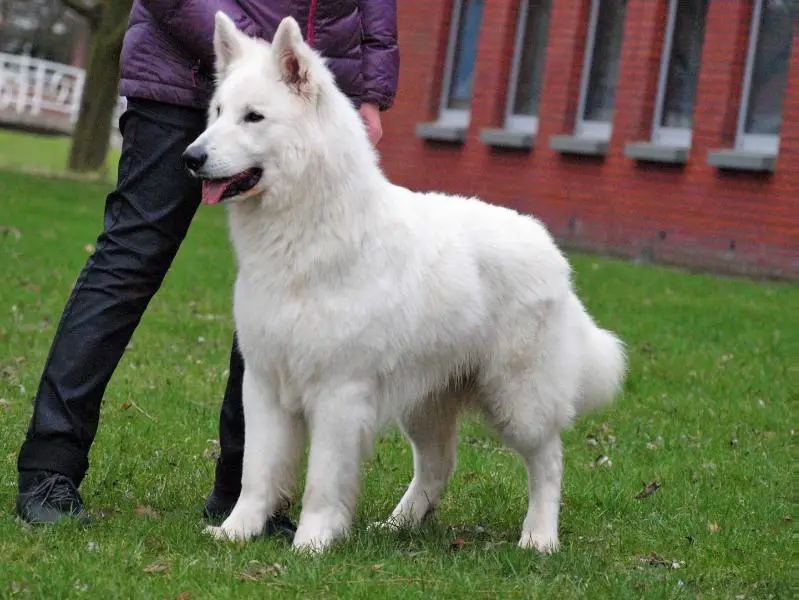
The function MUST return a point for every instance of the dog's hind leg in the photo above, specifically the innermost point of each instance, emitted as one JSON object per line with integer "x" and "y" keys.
{"x": 433, "y": 433}
{"x": 544, "y": 471}
{"x": 272, "y": 447}
{"x": 341, "y": 423}
{"x": 525, "y": 414}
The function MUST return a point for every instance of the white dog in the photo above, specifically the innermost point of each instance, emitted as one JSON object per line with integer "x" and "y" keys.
{"x": 358, "y": 302}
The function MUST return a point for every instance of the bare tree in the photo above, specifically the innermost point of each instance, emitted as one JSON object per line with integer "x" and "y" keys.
{"x": 90, "y": 139}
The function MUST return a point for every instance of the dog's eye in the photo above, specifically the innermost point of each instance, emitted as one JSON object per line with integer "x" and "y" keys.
{"x": 253, "y": 117}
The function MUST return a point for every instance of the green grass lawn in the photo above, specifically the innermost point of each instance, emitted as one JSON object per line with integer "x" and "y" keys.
{"x": 706, "y": 413}
{"x": 46, "y": 154}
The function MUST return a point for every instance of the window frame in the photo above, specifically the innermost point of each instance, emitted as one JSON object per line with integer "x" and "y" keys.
{"x": 680, "y": 137}
{"x": 753, "y": 142}
{"x": 455, "y": 117}
{"x": 514, "y": 121}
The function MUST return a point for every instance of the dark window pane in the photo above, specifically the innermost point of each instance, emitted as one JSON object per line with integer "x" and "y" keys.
{"x": 533, "y": 55}
{"x": 684, "y": 61}
{"x": 600, "y": 96}
{"x": 460, "y": 92}
{"x": 770, "y": 72}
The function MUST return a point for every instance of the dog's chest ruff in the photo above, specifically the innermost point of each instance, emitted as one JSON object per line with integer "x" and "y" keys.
{"x": 365, "y": 329}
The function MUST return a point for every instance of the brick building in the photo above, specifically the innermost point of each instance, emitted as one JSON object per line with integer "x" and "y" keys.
{"x": 661, "y": 129}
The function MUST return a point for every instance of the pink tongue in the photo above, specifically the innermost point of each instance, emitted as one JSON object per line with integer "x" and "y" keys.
{"x": 213, "y": 190}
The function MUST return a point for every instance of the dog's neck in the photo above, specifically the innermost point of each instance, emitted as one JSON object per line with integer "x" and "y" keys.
{"x": 316, "y": 225}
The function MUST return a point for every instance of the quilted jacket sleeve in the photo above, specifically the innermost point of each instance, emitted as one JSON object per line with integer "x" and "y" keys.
{"x": 380, "y": 52}
{"x": 191, "y": 22}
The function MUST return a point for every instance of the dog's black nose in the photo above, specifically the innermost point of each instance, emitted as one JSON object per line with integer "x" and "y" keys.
{"x": 194, "y": 158}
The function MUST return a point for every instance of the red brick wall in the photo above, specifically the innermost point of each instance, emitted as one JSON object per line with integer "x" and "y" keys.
{"x": 692, "y": 215}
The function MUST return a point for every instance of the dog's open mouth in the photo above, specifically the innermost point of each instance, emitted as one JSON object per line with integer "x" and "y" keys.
{"x": 217, "y": 190}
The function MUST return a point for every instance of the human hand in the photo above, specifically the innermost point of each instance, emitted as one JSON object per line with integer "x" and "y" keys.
{"x": 370, "y": 113}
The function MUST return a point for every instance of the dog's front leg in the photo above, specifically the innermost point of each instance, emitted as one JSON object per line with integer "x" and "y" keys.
{"x": 341, "y": 424}
{"x": 272, "y": 444}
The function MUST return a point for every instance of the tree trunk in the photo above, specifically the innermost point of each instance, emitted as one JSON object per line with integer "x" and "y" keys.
{"x": 90, "y": 139}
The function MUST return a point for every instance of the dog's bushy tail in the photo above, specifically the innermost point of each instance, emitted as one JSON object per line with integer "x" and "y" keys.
{"x": 604, "y": 366}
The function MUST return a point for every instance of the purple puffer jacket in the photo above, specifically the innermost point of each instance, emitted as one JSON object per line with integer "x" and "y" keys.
{"x": 168, "y": 51}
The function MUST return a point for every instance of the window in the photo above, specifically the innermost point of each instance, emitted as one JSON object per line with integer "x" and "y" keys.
{"x": 679, "y": 72}
{"x": 459, "y": 66}
{"x": 527, "y": 69}
{"x": 601, "y": 69}
{"x": 766, "y": 75}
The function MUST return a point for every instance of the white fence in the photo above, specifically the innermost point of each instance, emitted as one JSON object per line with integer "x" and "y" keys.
{"x": 32, "y": 87}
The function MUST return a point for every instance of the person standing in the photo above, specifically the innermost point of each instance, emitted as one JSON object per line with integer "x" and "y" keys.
{"x": 167, "y": 72}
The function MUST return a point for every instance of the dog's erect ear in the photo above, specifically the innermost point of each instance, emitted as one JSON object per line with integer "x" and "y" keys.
{"x": 294, "y": 56}
{"x": 227, "y": 42}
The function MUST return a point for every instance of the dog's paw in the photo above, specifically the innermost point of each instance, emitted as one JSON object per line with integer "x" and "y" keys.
{"x": 310, "y": 547}
{"x": 215, "y": 532}
{"x": 389, "y": 525}
{"x": 315, "y": 536}
{"x": 227, "y": 534}
{"x": 313, "y": 544}
{"x": 543, "y": 543}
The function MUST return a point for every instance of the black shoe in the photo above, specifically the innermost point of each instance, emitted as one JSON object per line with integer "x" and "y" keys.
{"x": 219, "y": 505}
{"x": 280, "y": 525}
{"x": 46, "y": 497}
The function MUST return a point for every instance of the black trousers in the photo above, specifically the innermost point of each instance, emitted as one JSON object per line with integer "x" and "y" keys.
{"x": 146, "y": 219}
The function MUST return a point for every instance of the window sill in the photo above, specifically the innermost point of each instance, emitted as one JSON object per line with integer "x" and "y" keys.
{"x": 738, "y": 160}
{"x": 440, "y": 132}
{"x": 572, "y": 144}
{"x": 660, "y": 153}
{"x": 507, "y": 138}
